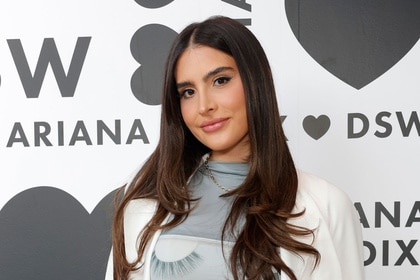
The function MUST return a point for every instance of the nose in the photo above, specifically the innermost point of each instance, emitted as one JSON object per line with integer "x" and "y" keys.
{"x": 206, "y": 103}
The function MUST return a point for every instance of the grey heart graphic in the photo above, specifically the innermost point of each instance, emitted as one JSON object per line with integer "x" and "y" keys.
{"x": 355, "y": 40}
{"x": 45, "y": 233}
{"x": 153, "y": 4}
{"x": 316, "y": 127}
{"x": 149, "y": 47}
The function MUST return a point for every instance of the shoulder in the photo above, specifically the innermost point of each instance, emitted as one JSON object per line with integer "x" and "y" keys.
{"x": 318, "y": 197}
{"x": 140, "y": 206}
{"x": 322, "y": 192}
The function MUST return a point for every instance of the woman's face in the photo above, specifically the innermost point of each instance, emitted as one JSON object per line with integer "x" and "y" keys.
{"x": 213, "y": 102}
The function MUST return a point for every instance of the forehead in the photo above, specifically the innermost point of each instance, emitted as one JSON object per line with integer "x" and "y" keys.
{"x": 200, "y": 59}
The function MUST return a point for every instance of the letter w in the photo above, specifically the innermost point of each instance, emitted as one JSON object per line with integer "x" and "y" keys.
{"x": 49, "y": 55}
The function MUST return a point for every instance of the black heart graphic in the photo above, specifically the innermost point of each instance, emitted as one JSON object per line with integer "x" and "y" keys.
{"x": 355, "y": 40}
{"x": 316, "y": 127}
{"x": 45, "y": 233}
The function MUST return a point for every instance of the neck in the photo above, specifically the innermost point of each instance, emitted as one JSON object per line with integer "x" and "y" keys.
{"x": 217, "y": 156}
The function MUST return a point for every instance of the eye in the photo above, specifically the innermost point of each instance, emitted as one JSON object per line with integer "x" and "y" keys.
{"x": 186, "y": 93}
{"x": 221, "y": 81}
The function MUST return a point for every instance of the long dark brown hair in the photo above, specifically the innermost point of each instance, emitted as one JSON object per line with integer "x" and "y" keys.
{"x": 266, "y": 197}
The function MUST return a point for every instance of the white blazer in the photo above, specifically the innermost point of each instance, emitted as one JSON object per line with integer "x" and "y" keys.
{"x": 328, "y": 211}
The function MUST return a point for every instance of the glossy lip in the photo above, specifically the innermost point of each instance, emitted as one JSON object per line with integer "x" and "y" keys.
{"x": 213, "y": 124}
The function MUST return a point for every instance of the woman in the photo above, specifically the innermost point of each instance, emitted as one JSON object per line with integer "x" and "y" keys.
{"x": 220, "y": 197}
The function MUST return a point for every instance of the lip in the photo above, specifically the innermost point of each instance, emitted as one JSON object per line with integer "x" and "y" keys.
{"x": 213, "y": 124}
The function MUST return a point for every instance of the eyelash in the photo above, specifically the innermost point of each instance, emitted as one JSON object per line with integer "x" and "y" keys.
{"x": 177, "y": 268}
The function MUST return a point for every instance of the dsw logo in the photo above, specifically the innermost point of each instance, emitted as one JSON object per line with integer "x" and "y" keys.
{"x": 149, "y": 46}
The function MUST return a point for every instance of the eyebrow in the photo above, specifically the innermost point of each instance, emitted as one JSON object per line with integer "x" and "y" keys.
{"x": 206, "y": 77}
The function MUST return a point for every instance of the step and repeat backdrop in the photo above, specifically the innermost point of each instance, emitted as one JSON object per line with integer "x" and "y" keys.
{"x": 80, "y": 106}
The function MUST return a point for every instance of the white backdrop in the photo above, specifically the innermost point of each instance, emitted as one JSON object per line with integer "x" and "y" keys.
{"x": 364, "y": 140}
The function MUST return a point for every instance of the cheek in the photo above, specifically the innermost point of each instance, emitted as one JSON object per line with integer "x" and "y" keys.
{"x": 186, "y": 113}
{"x": 239, "y": 106}
{"x": 237, "y": 101}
